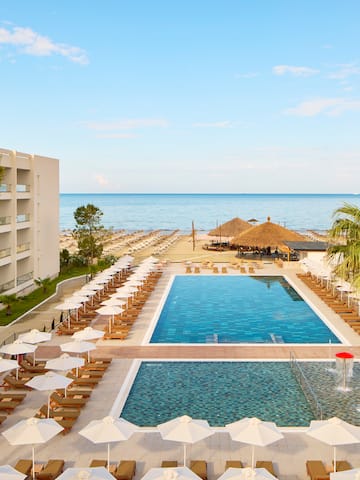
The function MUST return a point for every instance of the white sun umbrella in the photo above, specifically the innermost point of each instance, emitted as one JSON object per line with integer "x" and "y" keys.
{"x": 185, "y": 430}
{"x": 78, "y": 346}
{"x": 114, "y": 301}
{"x": 110, "y": 310}
{"x": 65, "y": 362}
{"x": 353, "y": 474}
{"x": 35, "y": 336}
{"x": 48, "y": 382}
{"x": 68, "y": 306}
{"x": 18, "y": 347}
{"x": 177, "y": 473}
{"x": 6, "y": 365}
{"x": 247, "y": 474}
{"x": 32, "y": 431}
{"x": 108, "y": 430}
{"x": 7, "y": 472}
{"x": 334, "y": 432}
{"x": 254, "y": 432}
{"x": 88, "y": 333}
{"x": 95, "y": 473}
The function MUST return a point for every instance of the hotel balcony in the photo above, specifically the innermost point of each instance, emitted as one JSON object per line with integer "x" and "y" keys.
{"x": 23, "y": 251}
{"x": 5, "y": 224}
{"x": 25, "y": 278}
{"x": 5, "y": 191}
{"x": 4, "y": 287}
{"x": 23, "y": 191}
{"x": 5, "y": 256}
{"x": 23, "y": 221}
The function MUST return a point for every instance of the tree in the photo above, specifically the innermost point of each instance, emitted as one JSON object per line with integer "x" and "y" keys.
{"x": 8, "y": 300}
{"x": 89, "y": 232}
{"x": 345, "y": 252}
{"x": 43, "y": 282}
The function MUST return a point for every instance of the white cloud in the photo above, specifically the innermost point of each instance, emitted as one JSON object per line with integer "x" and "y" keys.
{"x": 128, "y": 124}
{"x": 296, "y": 71}
{"x": 344, "y": 71}
{"x": 224, "y": 124}
{"x": 32, "y": 43}
{"x": 326, "y": 106}
{"x": 246, "y": 75}
{"x": 101, "y": 180}
{"x": 116, "y": 135}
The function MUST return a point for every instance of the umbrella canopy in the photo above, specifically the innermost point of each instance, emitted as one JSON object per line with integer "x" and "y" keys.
{"x": 178, "y": 473}
{"x": 108, "y": 430}
{"x": 73, "y": 305}
{"x": 334, "y": 432}
{"x": 186, "y": 430}
{"x": 64, "y": 362}
{"x": 88, "y": 333}
{"x": 35, "y": 336}
{"x": 231, "y": 228}
{"x": 6, "y": 365}
{"x": 353, "y": 474}
{"x": 7, "y": 472}
{"x": 77, "y": 346}
{"x": 110, "y": 310}
{"x": 267, "y": 234}
{"x": 32, "y": 431}
{"x": 48, "y": 382}
{"x": 246, "y": 474}
{"x": 95, "y": 473}
{"x": 255, "y": 433}
{"x": 18, "y": 348}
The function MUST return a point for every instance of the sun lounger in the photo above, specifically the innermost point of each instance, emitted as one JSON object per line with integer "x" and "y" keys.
{"x": 169, "y": 464}
{"x": 52, "y": 470}
{"x": 233, "y": 464}
{"x": 65, "y": 413}
{"x": 8, "y": 406}
{"x": 68, "y": 401}
{"x": 14, "y": 397}
{"x": 88, "y": 371}
{"x": 125, "y": 470}
{"x": 224, "y": 270}
{"x": 32, "y": 368}
{"x": 197, "y": 270}
{"x": 75, "y": 391}
{"x": 268, "y": 465}
{"x": 316, "y": 470}
{"x": 342, "y": 465}
{"x": 98, "y": 463}
{"x": 24, "y": 466}
{"x": 199, "y": 467}
{"x": 215, "y": 269}
{"x": 11, "y": 382}
{"x": 2, "y": 418}
{"x": 188, "y": 270}
{"x": 90, "y": 381}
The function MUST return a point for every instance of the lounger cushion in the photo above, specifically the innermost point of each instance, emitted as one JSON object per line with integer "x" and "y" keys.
{"x": 199, "y": 467}
{"x": 316, "y": 470}
{"x": 233, "y": 464}
{"x": 169, "y": 464}
{"x": 125, "y": 470}
{"x": 52, "y": 470}
{"x": 98, "y": 463}
{"x": 24, "y": 466}
{"x": 267, "y": 465}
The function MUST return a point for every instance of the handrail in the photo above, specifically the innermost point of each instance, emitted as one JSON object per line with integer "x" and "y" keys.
{"x": 305, "y": 386}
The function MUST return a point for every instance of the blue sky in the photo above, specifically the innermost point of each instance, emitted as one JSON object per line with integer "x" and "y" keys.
{"x": 185, "y": 96}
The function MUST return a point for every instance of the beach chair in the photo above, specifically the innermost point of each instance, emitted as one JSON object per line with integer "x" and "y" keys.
{"x": 251, "y": 270}
{"x": 52, "y": 470}
{"x": 13, "y": 397}
{"x": 197, "y": 270}
{"x": 2, "y": 418}
{"x": 224, "y": 270}
{"x": 8, "y": 406}
{"x": 243, "y": 270}
{"x": 188, "y": 270}
{"x": 11, "y": 382}
{"x": 125, "y": 470}
{"x": 233, "y": 464}
{"x": 268, "y": 465}
{"x": 68, "y": 401}
{"x": 98, "y": 463}
{"x": 24, "y": 466}
{"x": 342, "y": 465}
{"x": 169, "y": 464}
{"x": 199, "y": 467}
{"x": 316, "y": 470}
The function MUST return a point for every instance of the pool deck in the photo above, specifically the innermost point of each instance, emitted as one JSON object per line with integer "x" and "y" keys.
{"x": 146, "y": 446}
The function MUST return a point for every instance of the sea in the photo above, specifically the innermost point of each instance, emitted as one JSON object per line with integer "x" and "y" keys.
{"x": 170, "y": 212}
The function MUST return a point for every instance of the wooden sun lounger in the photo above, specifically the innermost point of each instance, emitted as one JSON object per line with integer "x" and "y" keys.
{"x": 65, "y": 413}
{"x": 24, "y": 466}
{"x": 169, "y": 464}
{"x": 2, "y": 418}
{"x": 125, "y": 470}
{"x": 71, "y": 392}
{"x": 268, "y": 465}
{"x": 88, "y": 371}
{"x": 67, "y": 401}
{"x": 342, "y": 465}
{"x": 8, "y": 406}
{"x": 11, "y": 382}
{"x": 98, "y": 463}
{"x": 32, "y": 368}
{"x": 316, "y": 470}
{"x": 233, "y": 464}
{"x": 83, "y": 380}
{"x": 13, "y": 397}
{"x": 52, "y": 470}
{"x": 199, "y": 467}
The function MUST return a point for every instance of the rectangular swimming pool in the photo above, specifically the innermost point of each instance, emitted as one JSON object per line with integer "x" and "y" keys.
{"x": 237, "y": 309}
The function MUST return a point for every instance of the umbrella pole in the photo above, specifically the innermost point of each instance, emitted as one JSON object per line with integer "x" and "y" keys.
{"x": 334, "y": 459}
{"x": 109, "y": 324}
{"x": 184, "y": 454}
{"x": 252, "y": 456}
{"x": 17, "y": 373}
{"x": 33, "y": 462}
{"x": 34, "y": 360}
{"x": 49, "y": 404}
{"x": 108, "y": 457}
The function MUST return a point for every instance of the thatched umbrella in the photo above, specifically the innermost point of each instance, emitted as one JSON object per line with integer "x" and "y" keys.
{"x": 231, "y": 228}
{"x": 267, "y": 234}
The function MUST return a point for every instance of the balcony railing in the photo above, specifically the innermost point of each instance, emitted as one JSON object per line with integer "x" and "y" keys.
{"x": 24, "y": 278}
{"x": 5, "y": 187}
{"x": 24, "y": 217}
{"x": 23, "y": 247}
{"x": 6, "y": 286}
{"x": 22, "y": 188}
{"x": 5, "y": 220}
{"x": 5, "y": 252}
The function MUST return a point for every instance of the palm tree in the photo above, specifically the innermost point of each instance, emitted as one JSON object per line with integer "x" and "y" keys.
{"x": 43, "y": 282}
{"x": 8, "y": 300}
{"x": 345, "y": 252}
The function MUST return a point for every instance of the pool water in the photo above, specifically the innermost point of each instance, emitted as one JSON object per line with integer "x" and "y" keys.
{"x": 223, "y": 392}
{"x": 237, "y": 309}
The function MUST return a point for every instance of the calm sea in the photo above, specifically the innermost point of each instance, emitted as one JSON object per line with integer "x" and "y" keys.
{"x": 177, "y": 211}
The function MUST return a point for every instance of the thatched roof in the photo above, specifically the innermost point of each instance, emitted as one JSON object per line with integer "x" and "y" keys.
{"x": 267, "y": 234}
{"x": 231, "y": 228}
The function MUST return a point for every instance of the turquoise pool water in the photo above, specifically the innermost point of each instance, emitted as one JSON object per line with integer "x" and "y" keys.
{"x": 223, "y": 392}
{"x": 237, "y": 309}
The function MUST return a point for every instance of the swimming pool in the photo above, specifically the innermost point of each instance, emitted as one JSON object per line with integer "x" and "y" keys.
{"x": 223, "y": 392}
{"x": 237, "y": 309}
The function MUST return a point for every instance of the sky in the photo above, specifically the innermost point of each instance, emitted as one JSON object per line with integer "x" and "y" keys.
{"x": 185, "y": 96}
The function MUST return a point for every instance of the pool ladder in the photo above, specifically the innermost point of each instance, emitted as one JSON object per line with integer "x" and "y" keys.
{"x": 306, "y": 388}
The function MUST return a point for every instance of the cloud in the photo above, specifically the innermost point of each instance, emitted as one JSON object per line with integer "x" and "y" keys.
{"x": 32, "y": 43}
{"x": 116, "y": 135}
{"x": 101, "y": 180}
{"x": 327, "y": 106}
{"x": 296, "y": 71}
{"x": 344, "y": 71}
{"x": 224, "y": 124}
{"x": 128, "y": 124}
{"x": 246, "y": 75}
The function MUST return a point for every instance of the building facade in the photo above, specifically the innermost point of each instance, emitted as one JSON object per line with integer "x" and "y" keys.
{"x": 29, "y": 220}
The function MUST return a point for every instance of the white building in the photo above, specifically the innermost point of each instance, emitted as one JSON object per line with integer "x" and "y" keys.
{"x": 29, "y": 220}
